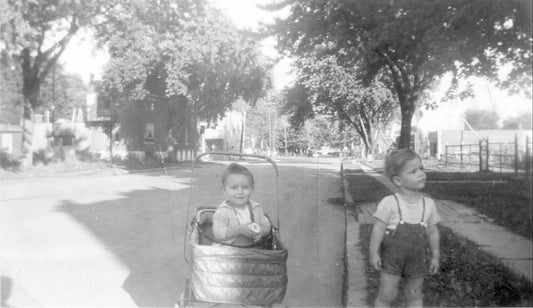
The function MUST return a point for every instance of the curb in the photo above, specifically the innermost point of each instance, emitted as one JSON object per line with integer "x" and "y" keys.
{"x": 354, "y": 293}
{"x": 102, "y": 172}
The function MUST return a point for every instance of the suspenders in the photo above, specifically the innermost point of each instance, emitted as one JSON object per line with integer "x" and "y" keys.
{"x": 400, "y": 211}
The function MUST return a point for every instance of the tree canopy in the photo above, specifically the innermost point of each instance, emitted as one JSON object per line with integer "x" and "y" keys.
{"x": 334, "y": 90}
{"x": 187, "y": 50}
{"x": 482, "y": 118}
{"x": 411, "y": 44}
{"x": 35, "y": 34}
{"x": 522, "y": 121}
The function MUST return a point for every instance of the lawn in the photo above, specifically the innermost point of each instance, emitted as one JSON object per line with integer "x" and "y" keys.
{"x": 507, "y": 202}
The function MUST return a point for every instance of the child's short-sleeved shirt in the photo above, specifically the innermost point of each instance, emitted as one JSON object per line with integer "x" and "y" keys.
{"x": 388, "y": 213}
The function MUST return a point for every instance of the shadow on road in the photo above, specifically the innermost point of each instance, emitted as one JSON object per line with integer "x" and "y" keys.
{"x": 140, "y": 230}
{"x": 5, "y": 285}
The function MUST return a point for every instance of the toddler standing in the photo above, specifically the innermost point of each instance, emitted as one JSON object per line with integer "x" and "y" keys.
{"x": 404, "y": 223}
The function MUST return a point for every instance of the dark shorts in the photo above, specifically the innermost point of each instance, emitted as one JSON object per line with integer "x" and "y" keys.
{"x": 403, "y": 256}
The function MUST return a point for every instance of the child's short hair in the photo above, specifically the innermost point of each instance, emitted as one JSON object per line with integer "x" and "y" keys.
{"x": 234, "y": 168}
{"x": 396, "y": 160}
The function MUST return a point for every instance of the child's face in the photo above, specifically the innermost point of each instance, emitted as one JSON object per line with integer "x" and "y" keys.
{"x": 412, "y": 176}
{"x": 238, "y": 190}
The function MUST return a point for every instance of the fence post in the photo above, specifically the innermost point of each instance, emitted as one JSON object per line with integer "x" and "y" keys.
{"x": 527, "y": 158}
{"x": 488, "y": 154}
{"x": 480, "y": 156}
{"x": 461, "y": 150}
{"x": 483, "y": 155}
{"x": 501, "y": 159}
{"x": 516, "y": 154}
{"x": 446, "y": 156}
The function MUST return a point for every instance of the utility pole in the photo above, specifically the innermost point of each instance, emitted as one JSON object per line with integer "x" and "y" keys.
{"x": 285, "y": 136}
{"x": 269, "y": 133}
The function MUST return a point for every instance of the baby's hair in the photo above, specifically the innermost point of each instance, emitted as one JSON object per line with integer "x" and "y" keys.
{"x": 234, "y": 168}
{"x": 396, "y": 160}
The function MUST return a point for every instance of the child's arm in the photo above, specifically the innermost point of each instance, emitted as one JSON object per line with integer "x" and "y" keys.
{"x": 434, "y": 244}
{"x": 264, "y": 224}
{"x": 222, "y": 231}
{"x": 378, "y": 231}
{"x": 234, "y": 231}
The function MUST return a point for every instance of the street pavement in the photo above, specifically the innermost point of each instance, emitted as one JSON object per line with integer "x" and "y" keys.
{"x": 513, "y": 250}
{"x": 117, "y": 241}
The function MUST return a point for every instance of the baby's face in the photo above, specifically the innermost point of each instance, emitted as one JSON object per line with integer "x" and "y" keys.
{"x": 238, "y": 190}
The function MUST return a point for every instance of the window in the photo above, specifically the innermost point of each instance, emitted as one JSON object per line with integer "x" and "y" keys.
{"x": 7, "y": 143}
{"x": 149, "y": 132}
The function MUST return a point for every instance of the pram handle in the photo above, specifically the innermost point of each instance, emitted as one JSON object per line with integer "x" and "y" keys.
{"x": 197, "y": 159}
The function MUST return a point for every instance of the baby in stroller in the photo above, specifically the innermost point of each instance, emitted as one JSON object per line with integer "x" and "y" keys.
{"x": 236, "y": 254}
{"x": 238, "y": 220}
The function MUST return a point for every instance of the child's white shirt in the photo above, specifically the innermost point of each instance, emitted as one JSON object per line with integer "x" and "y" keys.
{"x": 243, "y": 215}
{"x": 387, "y": 211}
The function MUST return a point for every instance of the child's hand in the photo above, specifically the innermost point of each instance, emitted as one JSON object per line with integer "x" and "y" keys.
{"x": 375, "y": 260}
{"x": 256, "y": 237}
{"x": 434, "y": 266}
{"x": 246, "y": 231}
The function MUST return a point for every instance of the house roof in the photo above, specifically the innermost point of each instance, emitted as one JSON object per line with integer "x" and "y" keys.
{"x": 8, "y": 128}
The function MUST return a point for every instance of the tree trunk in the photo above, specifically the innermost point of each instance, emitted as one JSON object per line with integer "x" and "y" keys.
{"x": 405, "y": 131}
{"x": 367, "y": 136}
{"x": 27, "y": 135}
{"x": 243, "y": 126}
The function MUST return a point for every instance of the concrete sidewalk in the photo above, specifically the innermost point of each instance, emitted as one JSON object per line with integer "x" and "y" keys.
{"x": 513, "y": 250}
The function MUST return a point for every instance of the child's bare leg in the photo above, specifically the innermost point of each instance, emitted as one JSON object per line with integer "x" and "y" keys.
{"x": 388, "y": 289}
{"x": 413, "y": 292}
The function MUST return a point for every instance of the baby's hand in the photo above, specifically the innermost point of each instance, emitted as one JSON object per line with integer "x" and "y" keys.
{"x": 257, "y": 236}
{"x": 246, "y": 231}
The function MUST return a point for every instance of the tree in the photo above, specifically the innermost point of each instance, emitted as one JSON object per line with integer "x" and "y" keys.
{"x": 334, "y": 90}
{"x": 35, "y": 34}
{"x": 482, "y": 119}
{"x": 10, "y": 90}
{"x": 62, "y": 94}
{"x": 413, "y": 43}
{"x": 185, "y": 54}
{"x": 522, "y": 121}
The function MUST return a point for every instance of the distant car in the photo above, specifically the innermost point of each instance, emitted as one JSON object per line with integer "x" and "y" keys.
{"x": 314, "y": 153}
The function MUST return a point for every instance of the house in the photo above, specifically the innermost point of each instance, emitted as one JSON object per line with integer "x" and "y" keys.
{"x": 154, "y": 127}
{"x": 439, "y": 139}
{"x": 11, "y": 140}
{"x": 225, "y": 135}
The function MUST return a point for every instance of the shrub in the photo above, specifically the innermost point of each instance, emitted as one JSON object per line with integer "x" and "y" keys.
{"x": 8, "y": 162}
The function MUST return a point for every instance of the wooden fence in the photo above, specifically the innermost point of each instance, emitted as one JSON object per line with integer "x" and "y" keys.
{"x": 485, "y": 156}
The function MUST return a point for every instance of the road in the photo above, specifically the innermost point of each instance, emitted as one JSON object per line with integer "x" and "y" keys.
{"x": 118, "y": 240}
